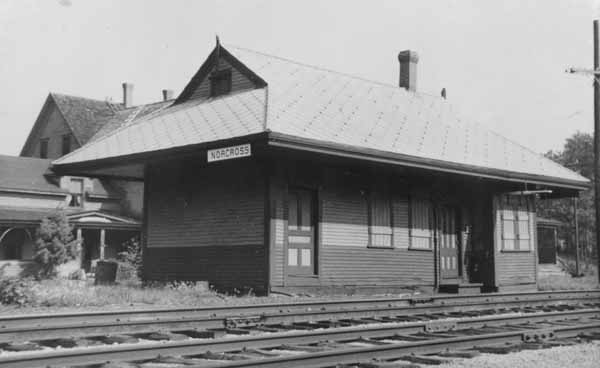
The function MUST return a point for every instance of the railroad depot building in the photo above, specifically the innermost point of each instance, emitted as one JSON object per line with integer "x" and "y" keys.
{"x": 270, "y": 174}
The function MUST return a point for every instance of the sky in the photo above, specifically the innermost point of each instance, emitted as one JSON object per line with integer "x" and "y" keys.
{"x": 502, "y": 62}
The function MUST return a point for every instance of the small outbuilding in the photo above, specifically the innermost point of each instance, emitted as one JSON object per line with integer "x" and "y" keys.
{"x": 269, "y": 174}
{"x": 547, "y": 235}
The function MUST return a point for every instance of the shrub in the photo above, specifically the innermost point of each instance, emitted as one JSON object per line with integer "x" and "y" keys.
{"x": 16, "y": 291}
{"x": 132, "y": 255}
{"x": 55, "y": 244}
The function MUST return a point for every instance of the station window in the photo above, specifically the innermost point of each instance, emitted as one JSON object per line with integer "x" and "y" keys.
{"x": 380, "y": 219}
{"x": 421, "y": 219}
{"x": 44, "y": 148}
{"x": 220, "y": 83}
{"x": 76, "y": 190}
{"x": 516, "y": 233}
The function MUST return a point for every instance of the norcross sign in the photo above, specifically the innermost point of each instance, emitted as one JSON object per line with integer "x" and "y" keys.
{"x": 229, "y": 153}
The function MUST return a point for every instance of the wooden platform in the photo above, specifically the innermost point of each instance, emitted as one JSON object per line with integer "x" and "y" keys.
{"x": 463, "y": 288}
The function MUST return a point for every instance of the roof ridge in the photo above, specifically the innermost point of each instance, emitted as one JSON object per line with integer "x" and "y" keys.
{"x": 85, "y": 98}
{"x": 383, "y": 84}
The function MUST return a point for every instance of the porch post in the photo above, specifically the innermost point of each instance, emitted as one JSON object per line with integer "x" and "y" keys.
{"x": 79, "y": 236}
{"x": 102, "y": 245}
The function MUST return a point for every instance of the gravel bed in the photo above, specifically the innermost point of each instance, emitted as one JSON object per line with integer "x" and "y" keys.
{"x": 585, "y": 355}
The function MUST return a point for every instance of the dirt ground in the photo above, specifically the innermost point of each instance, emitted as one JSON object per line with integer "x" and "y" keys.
{"x": 577, "y": 356}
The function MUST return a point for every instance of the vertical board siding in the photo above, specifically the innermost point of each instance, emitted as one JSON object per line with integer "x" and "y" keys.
{"x": 206, "y": 223}
{"x": 516, "y": 267}
{"x": 238, "y": 81}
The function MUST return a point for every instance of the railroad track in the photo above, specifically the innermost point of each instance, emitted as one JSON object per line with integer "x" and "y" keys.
{"x": 334, "y": 346}
{"x": 219, "y": 320}
{"x": 255, "y": 334}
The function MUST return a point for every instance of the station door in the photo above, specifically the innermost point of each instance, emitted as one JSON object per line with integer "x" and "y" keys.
{"x": 448, "y": 243}
{"x": 301, "y": 255}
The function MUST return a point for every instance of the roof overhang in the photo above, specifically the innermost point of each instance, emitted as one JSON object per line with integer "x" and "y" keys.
{"x": 132, "y": 166}
{"x": 99, "y": 219}
{"x": 348, "y": 151}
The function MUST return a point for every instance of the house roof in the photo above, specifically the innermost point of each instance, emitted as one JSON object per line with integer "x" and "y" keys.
{"x": 27, "y": 174}
{"x": 332, "y": 109}
{"x": 13, "y": 215}
{"x": 85, "y": 116}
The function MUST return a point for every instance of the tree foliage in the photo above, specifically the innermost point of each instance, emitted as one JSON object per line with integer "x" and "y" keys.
{"x": 578, "y": 155}
{"x": 55, "y": 244}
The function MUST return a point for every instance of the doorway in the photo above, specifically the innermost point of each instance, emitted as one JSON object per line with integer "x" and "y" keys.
{"x": 301, "y": 252}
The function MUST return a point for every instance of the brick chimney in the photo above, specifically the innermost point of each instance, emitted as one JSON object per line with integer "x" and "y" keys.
{"x": 167, "y": 94}
{"x": 128, "y": 94}
{"x": 408, "y": 69}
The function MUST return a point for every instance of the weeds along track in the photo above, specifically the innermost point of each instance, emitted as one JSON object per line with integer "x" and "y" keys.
{"x": 329, "y": 344}
{"x": 215, "y": 321}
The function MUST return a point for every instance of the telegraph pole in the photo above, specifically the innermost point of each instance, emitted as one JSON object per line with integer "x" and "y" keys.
{"x": 597, "y": 145}
{"x": 596, "y": 74}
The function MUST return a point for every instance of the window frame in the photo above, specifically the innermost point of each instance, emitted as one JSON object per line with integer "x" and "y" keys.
{"x": 217, "y": 76}
{"x": 411, "y": 228}
{"x": 75, "y": 195}
{"x": 386, "y": 199}
{"x": 44, "y": 144}
{"x": 65, "y": 138}
{"x": 515, "y": 209}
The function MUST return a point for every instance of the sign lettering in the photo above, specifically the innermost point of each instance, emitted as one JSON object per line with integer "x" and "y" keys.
{"x": 228, "y": 153}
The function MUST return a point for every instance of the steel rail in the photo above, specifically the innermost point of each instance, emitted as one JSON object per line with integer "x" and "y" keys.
{"x": 131, "y": 352}
{"x": 396, "y": 351}
{"x": 82, "y": 327}
{"x": 256, "y": 309}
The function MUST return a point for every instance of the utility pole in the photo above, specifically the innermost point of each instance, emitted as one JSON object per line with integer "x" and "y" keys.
{"x": 596, "y": 74}
{"x": 577, "y": 267}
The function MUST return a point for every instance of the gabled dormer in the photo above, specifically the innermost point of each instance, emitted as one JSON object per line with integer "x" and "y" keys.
{"x": 221, "y": 74}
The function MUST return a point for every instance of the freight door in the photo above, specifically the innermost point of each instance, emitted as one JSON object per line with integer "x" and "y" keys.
{"x": 301, "y": 232}
{"x": 447, "y": 241}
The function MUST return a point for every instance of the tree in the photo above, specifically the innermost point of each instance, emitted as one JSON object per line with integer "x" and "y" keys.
{"x": 55, "y": 244}
{"x": 578, "y": 155}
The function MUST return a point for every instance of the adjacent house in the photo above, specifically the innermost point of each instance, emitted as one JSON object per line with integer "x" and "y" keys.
{"x": 269, "y": 174}
{"x": 104, "y": 212}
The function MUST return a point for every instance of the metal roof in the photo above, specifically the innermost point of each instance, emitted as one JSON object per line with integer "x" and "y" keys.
{"x": 321, "y": 105}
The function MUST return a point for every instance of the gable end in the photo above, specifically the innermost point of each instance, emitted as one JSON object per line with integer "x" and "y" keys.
{"x": 220, "y": 61}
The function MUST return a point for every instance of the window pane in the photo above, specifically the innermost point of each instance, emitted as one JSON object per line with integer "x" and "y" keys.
{"x": 380, "y": 227}
{"x": 305, "y": 257}
{"x": 44, "y": 148}
{"x": 66, "y": 144}
{"x": 293, "y": 211}
{"x": 292, "y": 257}
{"x": 420, "y": 230}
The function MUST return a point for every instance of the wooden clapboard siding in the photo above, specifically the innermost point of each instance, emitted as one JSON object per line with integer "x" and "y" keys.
{"x": 206, "y": 222}
{"x": 278, "y": 229}
{"x": 514, "y": 267}
{"x": 194, "y": 207}
{"x": 224, "y": 266}
{"x": 238, "y": 81}
{"x": 345, "y": 255}
{"x": 343, "y": 265}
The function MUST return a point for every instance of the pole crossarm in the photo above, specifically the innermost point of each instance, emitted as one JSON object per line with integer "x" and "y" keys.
{"x": 583, "y": 71}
